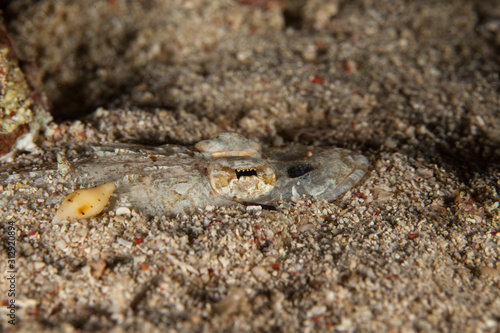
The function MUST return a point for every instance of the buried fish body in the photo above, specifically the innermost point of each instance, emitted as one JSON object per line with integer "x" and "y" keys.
{"x": 171, "y": 179}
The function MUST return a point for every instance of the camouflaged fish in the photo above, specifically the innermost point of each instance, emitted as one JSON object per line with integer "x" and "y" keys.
{"x": 222, "y": 171}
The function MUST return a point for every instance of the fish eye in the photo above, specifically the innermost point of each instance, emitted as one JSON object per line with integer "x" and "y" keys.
{"x": 299, "y": 170}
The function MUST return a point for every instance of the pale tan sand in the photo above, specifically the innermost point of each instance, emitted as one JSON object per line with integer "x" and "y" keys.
{"x": 413, "y": 85}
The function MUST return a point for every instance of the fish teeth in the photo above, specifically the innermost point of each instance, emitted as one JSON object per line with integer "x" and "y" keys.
{"x": 246, "y": 170}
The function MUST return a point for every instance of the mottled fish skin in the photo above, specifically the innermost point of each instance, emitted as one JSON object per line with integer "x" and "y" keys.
{"x": 171, "y": 179}
{"x": 321, "y": 173}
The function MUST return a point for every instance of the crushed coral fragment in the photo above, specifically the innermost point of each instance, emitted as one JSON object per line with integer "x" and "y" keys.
{"x": 84, "y": 203}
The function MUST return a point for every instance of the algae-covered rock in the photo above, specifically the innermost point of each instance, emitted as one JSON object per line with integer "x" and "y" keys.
{"x": 22, "y": 113}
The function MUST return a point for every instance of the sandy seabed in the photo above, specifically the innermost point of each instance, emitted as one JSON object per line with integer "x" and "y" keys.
{"x": 413, "y": 85}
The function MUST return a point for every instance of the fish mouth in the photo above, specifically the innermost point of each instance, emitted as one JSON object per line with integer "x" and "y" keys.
{"x": 252, "y": 172}
{"x": 241, "y": 178}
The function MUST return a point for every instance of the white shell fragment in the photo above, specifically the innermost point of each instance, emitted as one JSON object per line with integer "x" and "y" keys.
{"x": 122, "y": 211}
{"x": 84, "y": 203}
